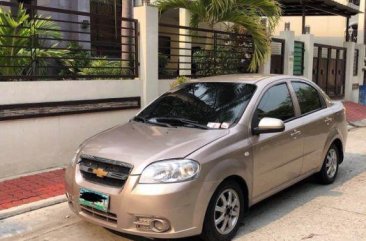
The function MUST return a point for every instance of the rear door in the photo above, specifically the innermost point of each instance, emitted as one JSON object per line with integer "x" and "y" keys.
{"x": 277, "y": 157}
{"x": 316, "y": 124}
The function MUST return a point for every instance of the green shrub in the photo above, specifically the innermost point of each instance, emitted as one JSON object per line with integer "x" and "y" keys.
{"x": 24, "y": 53}
{"x": 76, "y": 59}
{"x": 104, "y": 67}
{"x": 180, "y": 80}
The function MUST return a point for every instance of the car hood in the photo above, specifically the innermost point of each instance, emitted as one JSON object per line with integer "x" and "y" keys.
{"x": 140, "y": 144}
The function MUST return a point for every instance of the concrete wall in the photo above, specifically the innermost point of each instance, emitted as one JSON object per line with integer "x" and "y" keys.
{"x": 41, "y": 143}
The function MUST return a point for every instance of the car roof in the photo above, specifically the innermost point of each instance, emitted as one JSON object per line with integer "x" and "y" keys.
{"x": 243, "y": 78}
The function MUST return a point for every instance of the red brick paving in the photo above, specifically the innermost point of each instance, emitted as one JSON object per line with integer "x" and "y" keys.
{"x": 354, "y": 111}
{"x": 31, "y": 188}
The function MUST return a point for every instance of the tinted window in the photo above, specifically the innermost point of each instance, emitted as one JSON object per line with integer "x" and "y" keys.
{"x": 308, "y": 97}
{"x": 276, "y": 103}
{"x": 202, "y": 103}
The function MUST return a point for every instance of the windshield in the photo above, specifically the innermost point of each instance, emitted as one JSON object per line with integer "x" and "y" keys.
{"x": 200, "y": 105}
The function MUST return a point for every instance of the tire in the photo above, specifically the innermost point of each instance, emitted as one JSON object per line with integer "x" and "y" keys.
{"x": 329, "y": 171}
{"x": 232, "y": 212}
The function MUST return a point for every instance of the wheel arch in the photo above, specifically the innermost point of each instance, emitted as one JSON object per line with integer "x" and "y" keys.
{"x": 338, "y": 143}
{"x": 243, "y": 185}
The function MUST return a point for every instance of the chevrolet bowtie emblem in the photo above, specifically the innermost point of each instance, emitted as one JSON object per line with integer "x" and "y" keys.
{"x": 100, "y": 172}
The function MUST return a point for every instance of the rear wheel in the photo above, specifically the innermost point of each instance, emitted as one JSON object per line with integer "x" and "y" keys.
{"x": 329, "y": 170}
{"x": 224, "y": 214}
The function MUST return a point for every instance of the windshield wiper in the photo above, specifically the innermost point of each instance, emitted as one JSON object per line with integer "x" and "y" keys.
{"x": 147, "y": 121}
{"x": 183, "y": 121}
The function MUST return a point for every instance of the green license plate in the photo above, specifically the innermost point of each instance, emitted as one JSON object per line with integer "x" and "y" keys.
{"x": 97, "y": 200}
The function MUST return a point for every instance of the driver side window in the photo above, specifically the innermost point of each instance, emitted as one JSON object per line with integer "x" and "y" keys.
{"x": 276, "y": 103}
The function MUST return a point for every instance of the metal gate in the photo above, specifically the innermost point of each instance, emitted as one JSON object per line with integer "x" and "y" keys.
{"x": 329, "y": 69}
{"x": 299, "y": 50}
{"x": 277, "y": 56}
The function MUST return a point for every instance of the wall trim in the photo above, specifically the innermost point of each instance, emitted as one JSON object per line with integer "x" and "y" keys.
{"x": 59, "y": 108}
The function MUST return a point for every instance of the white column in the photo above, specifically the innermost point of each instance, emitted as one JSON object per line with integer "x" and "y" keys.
{"x": 308, "y": 40}
{"x": 265, "y": 68}
{"x": 148, "y": 20}
{"x": 289, "y": 37}
{"x": 348, "y": 92}
{"x": 185, "y": 45}
{"x": 361, "y": 62}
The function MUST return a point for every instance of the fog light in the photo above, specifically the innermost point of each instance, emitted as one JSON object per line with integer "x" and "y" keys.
{"x": 160, "y": 225}
{"x": 151, "y": 224}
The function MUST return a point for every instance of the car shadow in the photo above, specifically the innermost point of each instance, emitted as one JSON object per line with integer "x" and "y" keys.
{"x": 279, "y": 205}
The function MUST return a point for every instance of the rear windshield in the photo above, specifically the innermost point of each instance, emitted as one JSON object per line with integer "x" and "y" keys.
{"x": 215, "y": 105}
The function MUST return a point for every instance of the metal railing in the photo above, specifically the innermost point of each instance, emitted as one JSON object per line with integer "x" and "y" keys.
{"x": 197, "y": 52}
{"x": 52, "y": 43}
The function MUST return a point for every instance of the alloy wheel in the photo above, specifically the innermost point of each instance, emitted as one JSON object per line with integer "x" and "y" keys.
{"x": 227, "y": 211}
{"x": 331, "y": 164}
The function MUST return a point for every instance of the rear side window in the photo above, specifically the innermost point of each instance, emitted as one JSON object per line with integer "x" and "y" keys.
{"x": 308, "y": 97}
{"x": 276, "y": 103}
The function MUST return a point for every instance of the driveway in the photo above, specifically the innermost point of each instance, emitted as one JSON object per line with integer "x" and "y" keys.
{"x": 306, "y": 211}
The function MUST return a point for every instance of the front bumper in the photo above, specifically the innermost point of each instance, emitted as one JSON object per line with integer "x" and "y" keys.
{"x": 183, "y": 205}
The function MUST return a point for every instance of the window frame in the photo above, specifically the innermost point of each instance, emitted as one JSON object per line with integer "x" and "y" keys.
{"x": 322, "y": 100}
{"x": 264, "y": 91}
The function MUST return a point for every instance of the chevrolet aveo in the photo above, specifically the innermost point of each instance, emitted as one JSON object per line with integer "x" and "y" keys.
{"x": 195, "y": 159}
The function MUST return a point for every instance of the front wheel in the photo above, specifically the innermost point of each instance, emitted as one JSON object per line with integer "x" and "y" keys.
{"x": 329, "y": 170}
{"x": 224, "y": 213}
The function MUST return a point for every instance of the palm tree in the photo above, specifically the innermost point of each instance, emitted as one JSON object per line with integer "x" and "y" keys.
{"x": 246, "y": 14}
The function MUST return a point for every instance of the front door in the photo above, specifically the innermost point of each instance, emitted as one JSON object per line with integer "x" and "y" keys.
{"x": 277, "y": 157}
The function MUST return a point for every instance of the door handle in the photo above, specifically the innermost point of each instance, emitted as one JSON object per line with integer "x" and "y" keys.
{"x": 295, "y": 133}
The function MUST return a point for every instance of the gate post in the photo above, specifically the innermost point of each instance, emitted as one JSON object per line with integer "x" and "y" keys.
{"x": 289, "y": 37}
{"x": 308, "y": 40}
{"x": 148, "y": 19}
{"x": 265, "y": 68}
{"x": 348, "y": 78}
{"x": 185, "y": 45}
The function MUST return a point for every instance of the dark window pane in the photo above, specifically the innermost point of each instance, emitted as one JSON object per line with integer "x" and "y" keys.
{"x": 308, "y": 97}
{"x": 203, "y": 103}
{"x": 276, "y": 103}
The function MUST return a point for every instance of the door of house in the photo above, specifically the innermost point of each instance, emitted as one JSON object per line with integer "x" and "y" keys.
{"x": 277, "y": 56}
{"x": 329, "y": 69}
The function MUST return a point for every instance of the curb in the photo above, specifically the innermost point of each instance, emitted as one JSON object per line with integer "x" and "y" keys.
{"x": 7, "y": 213}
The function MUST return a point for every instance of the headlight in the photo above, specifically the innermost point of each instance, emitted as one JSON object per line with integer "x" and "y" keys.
{"x": 170, "y": 171}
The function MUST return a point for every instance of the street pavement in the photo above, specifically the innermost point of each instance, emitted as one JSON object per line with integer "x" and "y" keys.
{"x": 306, "y": 211}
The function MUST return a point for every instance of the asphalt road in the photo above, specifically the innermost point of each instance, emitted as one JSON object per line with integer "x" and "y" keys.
{"x": 306, "y": 211}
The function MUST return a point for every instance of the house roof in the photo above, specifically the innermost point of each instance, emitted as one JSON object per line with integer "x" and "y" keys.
{"x": 317, "y": 8}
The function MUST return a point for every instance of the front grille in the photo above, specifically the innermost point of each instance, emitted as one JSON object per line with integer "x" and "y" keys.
{"x": 104, "y": 171}
{"x": 105, "y": 216}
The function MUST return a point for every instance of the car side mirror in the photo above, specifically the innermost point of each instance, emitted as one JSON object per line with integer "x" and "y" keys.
{"x": 269, "y": 125}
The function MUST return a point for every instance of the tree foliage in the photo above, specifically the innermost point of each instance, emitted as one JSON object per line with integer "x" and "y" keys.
{"x": 21, "y": 47}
